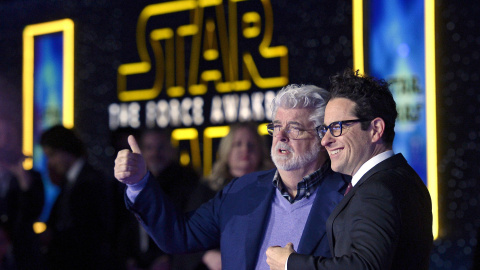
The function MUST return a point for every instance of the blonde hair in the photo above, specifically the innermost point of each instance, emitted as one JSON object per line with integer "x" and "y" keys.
{"x": 220, "y": 175}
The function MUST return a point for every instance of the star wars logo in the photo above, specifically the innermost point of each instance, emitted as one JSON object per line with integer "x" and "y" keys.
{"x": 196, "y": 59}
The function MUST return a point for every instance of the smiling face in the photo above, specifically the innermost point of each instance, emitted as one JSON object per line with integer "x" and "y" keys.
{"x": 300, "y": 153}
{"x": 354, "y": 147}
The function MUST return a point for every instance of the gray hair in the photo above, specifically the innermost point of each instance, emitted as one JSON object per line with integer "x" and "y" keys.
{"x": 302, "y": 96}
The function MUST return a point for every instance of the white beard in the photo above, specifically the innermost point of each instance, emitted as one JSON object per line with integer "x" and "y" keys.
{"x": 291, "y": 161}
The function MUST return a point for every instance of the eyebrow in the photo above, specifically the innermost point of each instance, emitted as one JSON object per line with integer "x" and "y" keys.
{"x": 332, "y": 122}
{"x": 289, "y": 123}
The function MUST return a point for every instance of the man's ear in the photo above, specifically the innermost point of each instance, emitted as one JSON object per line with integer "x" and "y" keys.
{"x": 378, "y": 127}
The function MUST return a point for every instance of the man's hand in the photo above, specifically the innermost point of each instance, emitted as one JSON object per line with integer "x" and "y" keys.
{"x": 130, "y": 166}
{"x": 212, "y": 259}
{"x": 277, "y": 256}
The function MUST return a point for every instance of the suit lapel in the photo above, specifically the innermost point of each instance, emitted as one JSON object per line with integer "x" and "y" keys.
{"x": 329, "y": 193}
{"x": 388, "y": 163}
{"x": 260, "y": 201}
{"x": 329, "y": 226}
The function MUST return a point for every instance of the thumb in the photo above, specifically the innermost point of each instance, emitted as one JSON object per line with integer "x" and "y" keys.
{"x": 134, "y": 145}
{"x": 289, "y": 245}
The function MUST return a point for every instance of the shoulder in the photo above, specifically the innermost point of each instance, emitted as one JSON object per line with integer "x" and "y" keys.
{"x": 391, "y": 170}
{"x": 337, "y": 177}
{"x": 259, "y": 175}
{"x": 396, "y": 183}
{"x": 251, "y": 180}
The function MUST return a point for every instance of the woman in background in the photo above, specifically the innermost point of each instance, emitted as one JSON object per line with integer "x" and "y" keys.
{"x": 242, "y": 151}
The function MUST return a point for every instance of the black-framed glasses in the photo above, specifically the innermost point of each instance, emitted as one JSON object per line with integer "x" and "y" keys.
{"x": 337, "y": 127}
{"x": 293, "y": 132}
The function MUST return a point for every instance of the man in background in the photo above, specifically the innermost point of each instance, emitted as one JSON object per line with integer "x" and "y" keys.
{"x": 80, "y": 221}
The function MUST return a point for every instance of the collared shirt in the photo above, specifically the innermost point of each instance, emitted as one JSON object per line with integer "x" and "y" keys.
{"x": 305, "y": 187}
{"x": 74, "y": 170}
{"x": 370, "y": 164}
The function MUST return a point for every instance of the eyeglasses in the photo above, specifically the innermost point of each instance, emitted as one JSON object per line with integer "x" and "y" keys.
{"x": 336, "y": 127}
{"x": 293, "y": 132}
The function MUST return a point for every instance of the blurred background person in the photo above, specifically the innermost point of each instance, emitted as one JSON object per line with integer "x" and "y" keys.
{"x": 21, "y": 198}
{"x": 162, "y": 160}
{"x": 178, "y": 182}
{"x": 241, "y": 152}
{"x": 79, "y": 225}
{"x": 7, "y": 261}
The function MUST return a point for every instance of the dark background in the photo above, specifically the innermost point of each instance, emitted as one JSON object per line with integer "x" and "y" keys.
{"x": 318, "y": 36}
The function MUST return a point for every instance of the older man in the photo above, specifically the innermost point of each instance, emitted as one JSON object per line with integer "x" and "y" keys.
{"x": 385, "y": 219}
{"x": 253, "y": 212}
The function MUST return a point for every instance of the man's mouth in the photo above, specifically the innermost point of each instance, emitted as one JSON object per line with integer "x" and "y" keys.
{"x": 334, "y": 152}
{"x": 284, "y": 149}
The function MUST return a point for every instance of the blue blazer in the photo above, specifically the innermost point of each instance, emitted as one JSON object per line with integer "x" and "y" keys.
{"x": 234, "y": 220}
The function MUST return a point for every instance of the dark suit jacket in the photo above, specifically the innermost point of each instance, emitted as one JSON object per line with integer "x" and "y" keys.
{"x": 384, "y": 222}
{"x": 234, "y": 220}
{"x": 19, "y": 210}
{"x": 80, "y": 224}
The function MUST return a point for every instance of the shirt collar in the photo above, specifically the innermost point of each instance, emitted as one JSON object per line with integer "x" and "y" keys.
{"x": 306, "y": 187}
{"x": 370, "y": 164}
{"x": 74, "y": 170}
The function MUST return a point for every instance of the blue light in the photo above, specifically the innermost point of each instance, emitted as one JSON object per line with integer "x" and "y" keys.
{"x": 403, "y": 50}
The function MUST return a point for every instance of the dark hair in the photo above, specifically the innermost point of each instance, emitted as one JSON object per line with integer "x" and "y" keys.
{"x": 60, "y": 138}
{"x": 371, "y": 96}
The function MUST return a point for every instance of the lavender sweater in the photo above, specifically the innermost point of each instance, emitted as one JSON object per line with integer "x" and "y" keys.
{"x": 286, "y": 224}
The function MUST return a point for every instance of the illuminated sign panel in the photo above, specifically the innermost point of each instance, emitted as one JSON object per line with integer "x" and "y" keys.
{"x": 47, "y": 90}
{"x": 401, "y": 49}
{"x": 214, "y": 55}
{"x": 188, "y": 47}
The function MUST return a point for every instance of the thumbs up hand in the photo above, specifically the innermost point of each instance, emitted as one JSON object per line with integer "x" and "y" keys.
{"x": 130, "y": 166}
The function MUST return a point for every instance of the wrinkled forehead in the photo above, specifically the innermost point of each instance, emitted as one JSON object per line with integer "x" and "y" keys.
{"x": 298, "y": 116}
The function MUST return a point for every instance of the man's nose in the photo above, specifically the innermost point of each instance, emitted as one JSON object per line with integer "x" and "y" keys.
{"x": 282, "y": 135}
{"x": 327, "y": 138}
